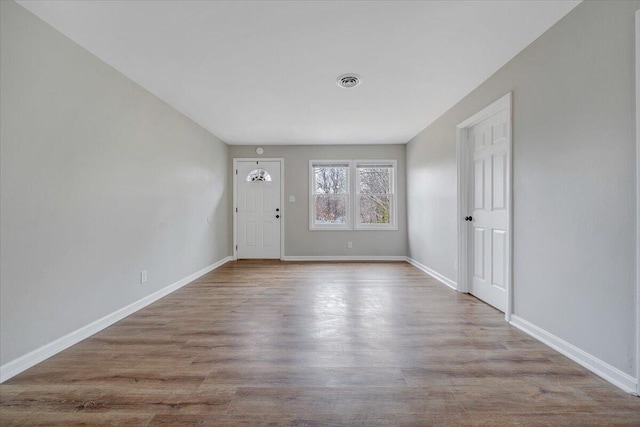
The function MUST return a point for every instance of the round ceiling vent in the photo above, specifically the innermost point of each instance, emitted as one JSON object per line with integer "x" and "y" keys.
{"x": 348, "y": 81}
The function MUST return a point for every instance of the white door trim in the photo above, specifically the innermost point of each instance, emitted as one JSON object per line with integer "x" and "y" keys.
{"x": 463, "y": 209}
{"x": 234, "y": 208}
{"x": 638, "y": 202}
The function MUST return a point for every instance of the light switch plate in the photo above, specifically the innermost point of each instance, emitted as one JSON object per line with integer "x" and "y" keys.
{"x": 292, "y": 199}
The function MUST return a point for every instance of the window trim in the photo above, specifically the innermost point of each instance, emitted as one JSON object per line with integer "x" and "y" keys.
{"x": 331, "y": 227}
{"x": 393, "y": 225}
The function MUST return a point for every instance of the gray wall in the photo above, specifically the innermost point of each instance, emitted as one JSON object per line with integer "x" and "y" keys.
{"x": 99, "y": 180}
{"x": 299, "y": 240}
{"x": 574, "y": 181}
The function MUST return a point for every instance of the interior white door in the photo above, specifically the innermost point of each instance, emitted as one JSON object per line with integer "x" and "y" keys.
{"x": 488, "y": 238}
{"x": 259, "y": 212}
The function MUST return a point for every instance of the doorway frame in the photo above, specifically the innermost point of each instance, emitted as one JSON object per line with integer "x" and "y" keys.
{"x": 462, "y": 161}
{"x": 637, "y": 49}
{"x": 234, "y": 208}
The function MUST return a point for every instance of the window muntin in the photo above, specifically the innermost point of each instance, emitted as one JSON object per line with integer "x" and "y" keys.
{"x": 330, "y": 195}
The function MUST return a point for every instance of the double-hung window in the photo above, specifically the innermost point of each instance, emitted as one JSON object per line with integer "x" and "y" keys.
{"x": 375, "y": 199}
{"x": 330, "y": 195}
{"x": 366, "y": 202}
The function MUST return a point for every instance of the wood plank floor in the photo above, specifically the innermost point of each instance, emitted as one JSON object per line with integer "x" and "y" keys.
{"x": 259, "y": 343}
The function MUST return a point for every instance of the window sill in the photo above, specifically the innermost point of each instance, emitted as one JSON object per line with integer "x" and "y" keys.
{"x": 359, "y": 228}
{"x": 330, "y": 228}
{"x": 376, "y": 228}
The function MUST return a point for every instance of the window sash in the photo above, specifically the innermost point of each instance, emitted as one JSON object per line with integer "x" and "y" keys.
{"x": 315, "y": 169}
{"x": 360, "y": 167}
{"x": 317, "y": 222}
{"x": 392, "y": 213}
{"x": 344, "y": 193}
{"x": 391, "y": 167}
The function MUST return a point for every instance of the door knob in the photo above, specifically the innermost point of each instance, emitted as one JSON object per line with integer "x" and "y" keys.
{"x": 277, "y": 209}
{"x": 468, "y": 218}
{"x": 277, "y": 216}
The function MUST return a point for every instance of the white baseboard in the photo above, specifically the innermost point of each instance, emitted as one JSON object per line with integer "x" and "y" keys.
{"x": 450, "y": 283}
{"x": 345, "y": 258}
{"x": 36, "y": 356}
{"x": 614, "y": 375}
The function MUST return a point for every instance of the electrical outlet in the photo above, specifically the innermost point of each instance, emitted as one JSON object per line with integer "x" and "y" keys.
{"x": 143, "y": 276}
{"x": 350, "y": 245}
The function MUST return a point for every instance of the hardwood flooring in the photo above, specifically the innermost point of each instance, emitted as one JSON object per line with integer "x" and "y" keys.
{"x": 261, "y": 343}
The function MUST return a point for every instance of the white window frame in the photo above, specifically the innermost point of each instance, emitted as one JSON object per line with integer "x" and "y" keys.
{"x": 393, "y": 225}
{"x": 353, "y": 205}
{"x": 330, "y": 227}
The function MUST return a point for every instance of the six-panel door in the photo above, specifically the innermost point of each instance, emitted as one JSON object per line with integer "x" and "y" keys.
{"x": 488, "y": 239}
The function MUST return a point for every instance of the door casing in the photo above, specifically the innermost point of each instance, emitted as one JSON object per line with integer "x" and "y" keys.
{"x": 638, "y": 202}
{"x": 283, "y": 214}
{"x": 462, "y": 143}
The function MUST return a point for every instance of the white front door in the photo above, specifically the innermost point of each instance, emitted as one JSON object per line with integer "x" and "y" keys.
{"x": 259, "y": 210}
{"x": 488, "y": 240}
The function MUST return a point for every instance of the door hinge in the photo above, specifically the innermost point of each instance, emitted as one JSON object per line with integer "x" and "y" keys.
{"x": 236, "y": 171}
{"x": 236, "y": 247}
{"x": 236, "y": 210}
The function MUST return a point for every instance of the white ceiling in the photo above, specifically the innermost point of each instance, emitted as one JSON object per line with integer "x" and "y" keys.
{"x": 264, "y": 72}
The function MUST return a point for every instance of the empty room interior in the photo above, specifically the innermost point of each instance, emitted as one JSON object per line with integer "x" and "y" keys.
{"x": 319, "y": 213}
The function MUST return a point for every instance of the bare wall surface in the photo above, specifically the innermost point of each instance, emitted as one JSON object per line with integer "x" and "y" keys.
{"x": 574, "y": 181}
{"x": 99, "y": 181}
{"x": 299, "y": 240}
